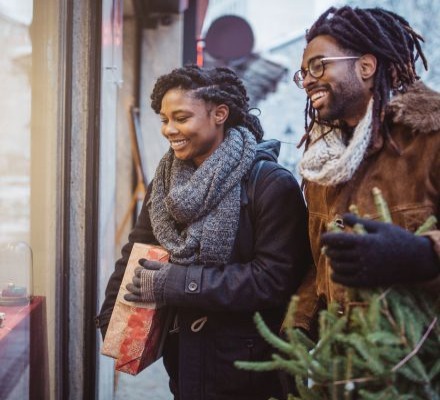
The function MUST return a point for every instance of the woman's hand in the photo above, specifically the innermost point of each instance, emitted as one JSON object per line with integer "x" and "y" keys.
{"x": 146, "y": 287}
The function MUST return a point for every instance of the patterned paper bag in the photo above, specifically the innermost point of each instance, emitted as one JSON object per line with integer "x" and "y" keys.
{"x": 137, "y": 331}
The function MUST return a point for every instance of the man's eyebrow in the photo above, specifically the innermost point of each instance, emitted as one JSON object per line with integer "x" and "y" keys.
{"x": 315, "y": 57}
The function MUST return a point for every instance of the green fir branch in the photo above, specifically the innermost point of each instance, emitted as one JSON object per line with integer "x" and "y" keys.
{"x": 386, "y": 346}
{"x": 258, "y": 366}
{"x": 270, "y": 337}
{"x": 427, "y": 225}
{"x": 303, "y": 339}
{"x": 381, "y": 206}
{"x": 435, "y": 370}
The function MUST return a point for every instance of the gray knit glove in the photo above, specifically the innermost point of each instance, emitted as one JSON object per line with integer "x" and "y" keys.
{"x": 148, "y": 282}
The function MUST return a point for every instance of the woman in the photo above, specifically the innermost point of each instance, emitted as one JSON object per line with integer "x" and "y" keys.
{"x": 231, "y": 253}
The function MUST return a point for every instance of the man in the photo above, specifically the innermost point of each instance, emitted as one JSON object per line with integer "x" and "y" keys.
{"x": 370, "y": 122}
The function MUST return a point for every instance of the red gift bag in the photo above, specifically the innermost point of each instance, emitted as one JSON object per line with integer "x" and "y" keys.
{"x": 137, "y": 331}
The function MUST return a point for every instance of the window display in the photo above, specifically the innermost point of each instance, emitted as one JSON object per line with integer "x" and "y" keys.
{"x": 15, "y": 274}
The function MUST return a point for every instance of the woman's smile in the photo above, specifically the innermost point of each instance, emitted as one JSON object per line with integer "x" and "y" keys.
{"x": 178, "y": 144}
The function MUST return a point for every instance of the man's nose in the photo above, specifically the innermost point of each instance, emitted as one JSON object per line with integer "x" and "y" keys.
{"x": 308, "y": 79}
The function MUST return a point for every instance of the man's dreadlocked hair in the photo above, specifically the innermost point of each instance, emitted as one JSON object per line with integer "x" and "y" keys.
{"x": 387, "y": 36}
{"x": 218, "y": 86}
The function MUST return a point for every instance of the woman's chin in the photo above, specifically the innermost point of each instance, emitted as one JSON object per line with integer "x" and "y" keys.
{"x": 182, "y": 156}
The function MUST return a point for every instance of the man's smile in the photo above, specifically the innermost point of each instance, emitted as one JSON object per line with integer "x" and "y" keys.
{"x": 318, "y": 98}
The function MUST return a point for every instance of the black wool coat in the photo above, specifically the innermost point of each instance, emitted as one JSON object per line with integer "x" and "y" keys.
{"x": 268, "y": 261}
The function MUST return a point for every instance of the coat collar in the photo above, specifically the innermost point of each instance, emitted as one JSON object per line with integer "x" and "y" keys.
{"x": 418, "y": 108}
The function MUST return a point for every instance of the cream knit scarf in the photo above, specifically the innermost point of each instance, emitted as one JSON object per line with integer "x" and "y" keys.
{"x": 328, "y": 161}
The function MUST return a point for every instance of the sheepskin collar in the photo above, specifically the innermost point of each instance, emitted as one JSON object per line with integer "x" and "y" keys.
{"x": 418, "y": 109}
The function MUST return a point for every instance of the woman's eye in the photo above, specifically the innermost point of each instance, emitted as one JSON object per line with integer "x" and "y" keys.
{"x": 181, "y": 119}
{"x": 163, "y": 121}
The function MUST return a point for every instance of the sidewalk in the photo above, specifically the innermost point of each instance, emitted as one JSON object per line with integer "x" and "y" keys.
{"x": 150, "y": 384}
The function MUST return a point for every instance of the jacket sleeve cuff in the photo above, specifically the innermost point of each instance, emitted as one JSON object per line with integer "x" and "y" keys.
{"x": 158, "y": 281}
{"x": 434, "y": 236}
{"x": 147, "y": 284}
{"x": 308, "y": 304}
{"x": 433, "y": 286}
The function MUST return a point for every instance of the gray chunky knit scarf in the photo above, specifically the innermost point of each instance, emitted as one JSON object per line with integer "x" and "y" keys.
{"x": 195, "y": 211}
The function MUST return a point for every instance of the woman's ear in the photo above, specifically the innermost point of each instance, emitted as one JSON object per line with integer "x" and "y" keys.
{"x": 368, "y": 63}
{"x": 221, "y": 114}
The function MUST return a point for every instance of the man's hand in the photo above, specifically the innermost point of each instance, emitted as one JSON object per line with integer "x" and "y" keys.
{"x": 385, "y": 255}
{"x": 142, "y": 287}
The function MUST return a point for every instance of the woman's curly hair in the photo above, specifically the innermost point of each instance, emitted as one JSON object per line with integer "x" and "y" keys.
{"x": 218, "y": 86}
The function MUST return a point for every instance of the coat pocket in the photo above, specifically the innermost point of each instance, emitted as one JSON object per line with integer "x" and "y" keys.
{"x": 233, "y": 383}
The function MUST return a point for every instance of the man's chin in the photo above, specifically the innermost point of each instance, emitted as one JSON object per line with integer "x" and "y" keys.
{"x": 322, "y": 115}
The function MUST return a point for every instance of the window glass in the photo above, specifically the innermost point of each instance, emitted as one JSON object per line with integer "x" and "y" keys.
{"x": 29, "y": 132}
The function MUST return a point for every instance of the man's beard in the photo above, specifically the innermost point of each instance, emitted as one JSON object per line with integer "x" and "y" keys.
{"x": 345, "y": 100}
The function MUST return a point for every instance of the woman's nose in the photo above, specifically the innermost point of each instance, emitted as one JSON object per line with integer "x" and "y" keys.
{"x": 169, "y": 129}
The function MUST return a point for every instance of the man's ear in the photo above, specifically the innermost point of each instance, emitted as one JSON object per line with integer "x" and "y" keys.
{"x": 368, "y": 64}
{"x": 221, "y": 113}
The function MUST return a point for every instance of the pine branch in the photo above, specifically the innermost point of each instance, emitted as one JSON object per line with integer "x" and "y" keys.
{"x": 385, "y": 346}
{"x": 270, "y": 337}
{"x": 382, "y": 206}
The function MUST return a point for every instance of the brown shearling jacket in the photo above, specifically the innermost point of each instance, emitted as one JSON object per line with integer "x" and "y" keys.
{"x": 409, "y": 181}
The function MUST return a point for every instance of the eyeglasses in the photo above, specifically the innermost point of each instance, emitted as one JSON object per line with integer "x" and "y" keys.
{"x": 316, "y": 68}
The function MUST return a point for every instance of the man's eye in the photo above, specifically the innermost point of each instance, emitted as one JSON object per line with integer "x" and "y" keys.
{"x": 316, "y": 65}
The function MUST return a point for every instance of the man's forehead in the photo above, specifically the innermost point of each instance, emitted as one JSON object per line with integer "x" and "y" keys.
{"x": 321, "y": 46}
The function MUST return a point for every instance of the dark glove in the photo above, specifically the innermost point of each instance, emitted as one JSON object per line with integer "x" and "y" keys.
{"x": 148, "y": 282}
{"x": 385, "y": 255}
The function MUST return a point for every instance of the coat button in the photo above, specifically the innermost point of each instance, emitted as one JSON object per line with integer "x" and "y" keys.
{"x": 192, "y": 287}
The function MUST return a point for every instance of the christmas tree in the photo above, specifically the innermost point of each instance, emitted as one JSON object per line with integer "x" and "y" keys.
{"x": 386, "y": 345}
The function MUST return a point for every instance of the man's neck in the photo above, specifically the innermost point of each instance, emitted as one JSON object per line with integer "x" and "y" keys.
{"x": 346, "y": 132}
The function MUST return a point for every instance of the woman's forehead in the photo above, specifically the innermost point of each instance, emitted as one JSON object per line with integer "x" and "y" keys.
{"x": 181, "y": 98}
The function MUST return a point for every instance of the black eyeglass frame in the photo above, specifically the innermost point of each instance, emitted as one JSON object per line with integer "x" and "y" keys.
{"x": 301, "y": 74}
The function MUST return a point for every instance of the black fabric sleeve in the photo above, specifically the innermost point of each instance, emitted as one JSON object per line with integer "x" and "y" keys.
{"x": 141, "y": 233}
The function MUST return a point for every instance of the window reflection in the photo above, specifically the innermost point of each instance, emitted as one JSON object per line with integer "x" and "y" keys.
{"x": 15, "y": 111}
